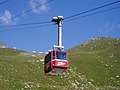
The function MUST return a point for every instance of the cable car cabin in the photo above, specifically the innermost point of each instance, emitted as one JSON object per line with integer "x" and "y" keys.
{"x": 55, "y": 62}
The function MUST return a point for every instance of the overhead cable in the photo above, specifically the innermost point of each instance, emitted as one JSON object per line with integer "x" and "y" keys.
{"x": 93, "y": 13}
{"x": 48, "y": 23}
{"x": 27, "y": 24}
{"x": 29, "y": 10}
{"x": 3, "y": 2}
{"x": 93, "y": 9}
{"x": 30, "y": 27}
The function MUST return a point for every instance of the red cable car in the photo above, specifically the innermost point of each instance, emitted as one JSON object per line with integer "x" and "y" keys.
{"x": 55, "y": 62}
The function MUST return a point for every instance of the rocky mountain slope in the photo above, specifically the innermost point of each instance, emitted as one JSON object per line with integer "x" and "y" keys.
{"x": 93, "y": 65}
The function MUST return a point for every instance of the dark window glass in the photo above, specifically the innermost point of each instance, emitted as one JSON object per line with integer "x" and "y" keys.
{"x": 60, "y": 55}
{"x": 47, "y": 58}
{"x": 53, "y": 54}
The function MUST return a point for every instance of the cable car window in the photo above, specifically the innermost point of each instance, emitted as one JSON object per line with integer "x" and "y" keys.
{"x": 47, "y": 58}
{"x": 53, "y": 54}
{"x": 61, "y": 55}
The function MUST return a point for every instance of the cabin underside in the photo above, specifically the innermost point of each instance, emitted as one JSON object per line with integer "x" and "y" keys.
{"x": 55, "y": 71}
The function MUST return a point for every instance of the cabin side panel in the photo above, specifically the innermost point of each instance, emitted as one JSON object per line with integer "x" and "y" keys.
{"x": 47, "y": 58}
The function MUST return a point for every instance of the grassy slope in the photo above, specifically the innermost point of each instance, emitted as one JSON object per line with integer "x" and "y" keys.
{"x": 93, "y": 65}
{"x": 99, "y": 60}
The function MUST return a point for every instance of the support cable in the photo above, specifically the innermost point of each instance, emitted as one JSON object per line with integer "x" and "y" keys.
{"x": 93, "y": 9}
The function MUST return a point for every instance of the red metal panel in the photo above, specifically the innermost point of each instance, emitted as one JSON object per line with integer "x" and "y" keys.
{"x": 59, "y": 63}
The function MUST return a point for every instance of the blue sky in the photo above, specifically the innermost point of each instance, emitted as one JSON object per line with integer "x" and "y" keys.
{"x": 42, "y": 38}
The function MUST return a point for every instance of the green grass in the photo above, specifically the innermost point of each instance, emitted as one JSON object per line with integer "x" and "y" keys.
{"x": 94, "y": 65}
{"x": 98, "y": 60}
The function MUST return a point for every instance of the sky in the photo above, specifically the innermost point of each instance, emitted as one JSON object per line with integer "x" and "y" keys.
{"x": 42, "y": 37}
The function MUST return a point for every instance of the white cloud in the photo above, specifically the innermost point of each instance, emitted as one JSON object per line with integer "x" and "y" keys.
{"x": 35, "y": 3}
{"x": 114, "y": 26}
{"x": 5, "y": 18}
{"x": 109, "y": 28}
